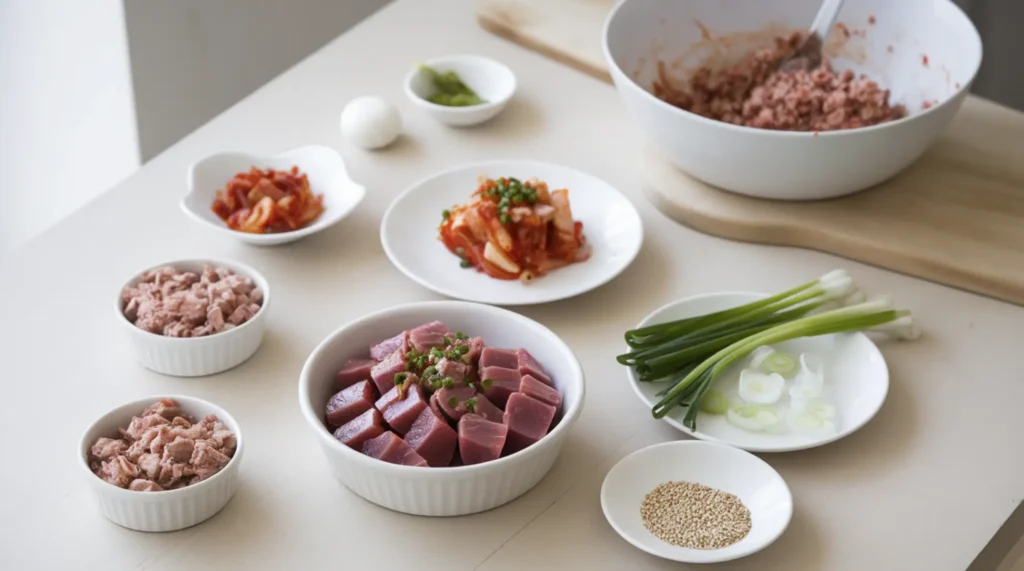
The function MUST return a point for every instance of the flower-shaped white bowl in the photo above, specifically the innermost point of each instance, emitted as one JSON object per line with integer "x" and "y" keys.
{"x": 449, "y": 491}
{"x": 169, "y": 510}
{"x": 493, "y": 81}
{"x": 323, "y": 165}
{"x": 197, "y": 356}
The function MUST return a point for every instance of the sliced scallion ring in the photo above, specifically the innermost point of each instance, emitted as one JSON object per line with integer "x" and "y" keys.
{"x": 714, "y": 402}
{"x": 782, "y": 363}
{"x": 753, "y": 418}
{"x": 760, "y": 388}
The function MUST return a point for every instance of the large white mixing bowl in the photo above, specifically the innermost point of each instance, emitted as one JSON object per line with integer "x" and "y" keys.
{"x": 924, "y": 51}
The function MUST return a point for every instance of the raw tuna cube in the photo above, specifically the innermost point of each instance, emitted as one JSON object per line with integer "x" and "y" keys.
{"x": 476, "y": 348}
{"x": 435, "y": 406}
{"x": 533, "y": 388}
{"x": 499, "y": 383}
{"x": 428, "y": 335}
{"x": 383, "y": 373}
{"x": 491, "y": 357}
{"x": 350, "y": 403}
{"x": 390, "y": 448}
{"x": 454, "y": 369}
{"x": 400, "y": 412}
{"x": 486, "y": 409}
{"x": 458, "y": 396}
{"x": 381, "y": 350}
{"x": 357, "y": 431}
{"x": 527, "y": 419}
{"x": 433, "y": 439}
{"x": 353, "y": 371}
{"x": 529, "y": 366}
{"x": 480, "y": 440}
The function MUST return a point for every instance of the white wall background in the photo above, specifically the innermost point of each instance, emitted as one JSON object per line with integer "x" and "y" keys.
{"x": 90, "y": 87}
{"x": 67, "y": 121}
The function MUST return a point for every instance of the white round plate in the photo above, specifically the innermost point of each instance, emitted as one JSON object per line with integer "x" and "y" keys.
{"x": 760, "y": 488}
{"x": 409, "y": 234}
{"x": 856, "y": 380}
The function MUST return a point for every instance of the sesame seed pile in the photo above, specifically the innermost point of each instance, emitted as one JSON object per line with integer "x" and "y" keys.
{"x": 695, "y": 516}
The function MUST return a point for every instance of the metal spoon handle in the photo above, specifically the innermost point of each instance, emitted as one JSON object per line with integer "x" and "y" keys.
{"x": 826, "y": 17}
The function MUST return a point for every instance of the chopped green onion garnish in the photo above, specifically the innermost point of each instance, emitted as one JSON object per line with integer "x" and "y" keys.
{"x": 470, "y": 405}
{"x": 784, "y": 364}
{"x": 487, "y": 383}
{"x": 464, "y": 263}
{"x": 453, "y": 402}
{"x": 446, "y": 214}
{"x": 448, "y": 382}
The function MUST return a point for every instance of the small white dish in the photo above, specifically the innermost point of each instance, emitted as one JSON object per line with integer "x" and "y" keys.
{"x": 169, "y": 510}
{"x": 856, "y": 381}
{"x": 493, "y": 81}
{"x": 611, "y": 225}
{"x": 197, "y": 356}
{"x": 457, "y": 490}
{"x": 761, "y": 489}
{"x": 323, "y": 165}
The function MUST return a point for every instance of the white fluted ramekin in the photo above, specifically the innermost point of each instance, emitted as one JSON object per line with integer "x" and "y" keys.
{"x": 168, "y": 510}
{"x": 442, "y": 491}
{"x": 197, "y": 356}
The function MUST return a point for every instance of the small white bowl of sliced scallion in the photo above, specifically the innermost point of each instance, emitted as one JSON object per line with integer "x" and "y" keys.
{"x": 461, "y": 90}
{"x": 767, "y": 373}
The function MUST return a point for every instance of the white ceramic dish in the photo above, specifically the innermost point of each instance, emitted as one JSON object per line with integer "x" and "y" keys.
{"x": 610, "y": 223}
{"x": 760, "y": 488}
{"x": 856, "y": 381}
{"x": 788, "y": 165}
{"x": 169, "y": 510}
{"x": 197, "y": 356}
{"x": 323, "y": 165}
{"x": 441, "y": 491}
{"x": 493, "y": 81}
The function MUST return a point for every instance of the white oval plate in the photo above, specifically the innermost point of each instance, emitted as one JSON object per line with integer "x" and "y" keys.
{"x": 323, "y": 165}
{"x": 760, "y": 488}
{"x": 856, "y": 380}
{"x": 409, "y": 234}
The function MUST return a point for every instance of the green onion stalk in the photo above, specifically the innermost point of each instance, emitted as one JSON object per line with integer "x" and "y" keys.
{"x": 690, "y": 353}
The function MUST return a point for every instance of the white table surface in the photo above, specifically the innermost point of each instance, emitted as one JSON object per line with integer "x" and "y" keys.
{"x": 924, "y": 486}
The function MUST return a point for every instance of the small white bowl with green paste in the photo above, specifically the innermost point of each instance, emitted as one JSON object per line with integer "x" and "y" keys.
{"x": 461, "y": 90}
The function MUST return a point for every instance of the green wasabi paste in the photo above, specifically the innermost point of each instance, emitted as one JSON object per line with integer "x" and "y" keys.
{"x": 451, "y": 92}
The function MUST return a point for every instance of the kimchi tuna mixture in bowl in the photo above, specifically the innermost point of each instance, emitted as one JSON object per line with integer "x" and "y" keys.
{"x": 756, "y": 92}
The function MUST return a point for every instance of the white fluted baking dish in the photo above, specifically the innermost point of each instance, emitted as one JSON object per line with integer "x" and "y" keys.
{"x": 168, "y": 510}
{"x": 454, "y": 490}
{"x": 197, "y": 356}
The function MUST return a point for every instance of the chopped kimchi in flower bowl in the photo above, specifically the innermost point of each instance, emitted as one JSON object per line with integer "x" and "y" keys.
{"x": 271, "y": 200}
{"x": 511, "y": 232}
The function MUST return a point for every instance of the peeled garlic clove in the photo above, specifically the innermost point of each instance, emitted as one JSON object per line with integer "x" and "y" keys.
{"x": 370, "y": 122}
{"x": 759, "y": 388}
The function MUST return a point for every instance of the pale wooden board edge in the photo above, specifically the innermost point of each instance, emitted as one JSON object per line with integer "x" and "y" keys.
{"x": 501, "y": 28}
{"x": 779, "y": 233}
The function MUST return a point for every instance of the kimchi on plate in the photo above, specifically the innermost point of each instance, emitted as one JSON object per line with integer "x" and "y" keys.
{"x": 513, "y": 229}
{"x": 268, "y": 201}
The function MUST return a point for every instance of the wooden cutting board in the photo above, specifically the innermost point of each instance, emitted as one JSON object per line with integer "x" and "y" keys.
{"x": 955, "y": 217}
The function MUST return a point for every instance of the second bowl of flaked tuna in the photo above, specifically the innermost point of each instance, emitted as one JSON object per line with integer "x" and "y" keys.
{"x": 441, "y": 408}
